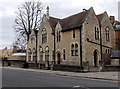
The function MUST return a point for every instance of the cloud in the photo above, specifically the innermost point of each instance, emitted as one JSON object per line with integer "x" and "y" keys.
{"x": 58, "y": 8}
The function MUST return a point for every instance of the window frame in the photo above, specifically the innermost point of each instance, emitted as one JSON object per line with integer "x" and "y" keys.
{"x": 64, "y": 54}
{"x": 74, "y": 35}
{"x": 76, "y": 49}
{"x": 72, "y": 50}
{"x": 107, "y": 34}
{"x": 97, "y": 33}
{"x": 47, "y": 54}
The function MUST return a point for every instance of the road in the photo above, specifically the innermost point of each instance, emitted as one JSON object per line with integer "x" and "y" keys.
{"x": 20, "y": 78}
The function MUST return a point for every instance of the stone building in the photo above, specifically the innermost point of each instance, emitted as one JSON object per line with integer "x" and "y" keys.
{"x": 116, "y": 26}
{"x": 75, "y": 40}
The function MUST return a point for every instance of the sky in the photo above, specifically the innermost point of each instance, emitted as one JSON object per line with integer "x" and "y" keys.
{"x": 58, "y": 8}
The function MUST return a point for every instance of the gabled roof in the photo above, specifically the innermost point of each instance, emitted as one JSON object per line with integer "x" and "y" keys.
{"x": 100, "y": 17}
{"x": 69, "y": 22}
{"x": 73, "y": 21}
{"x": 53, "y": 21}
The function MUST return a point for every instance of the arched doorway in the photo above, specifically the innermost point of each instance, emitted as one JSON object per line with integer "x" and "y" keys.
{"x": 58, "y": 58}
{"x": 95, "y": 58}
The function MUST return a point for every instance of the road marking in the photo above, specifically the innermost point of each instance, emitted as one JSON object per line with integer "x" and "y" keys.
{"x": 76, "y": 86}
{"x": 80, "y": 86}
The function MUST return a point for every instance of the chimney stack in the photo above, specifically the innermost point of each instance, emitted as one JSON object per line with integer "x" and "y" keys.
{"x": 47, "y": 12}
{"x": 112, "y": 19}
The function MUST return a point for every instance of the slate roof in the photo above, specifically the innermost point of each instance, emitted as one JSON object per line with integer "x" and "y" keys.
{"x": 69, "y": 22}
{"x": 73, "y": 21}
{"x": 100, "y": 16}
{"x": 53, "y": 21}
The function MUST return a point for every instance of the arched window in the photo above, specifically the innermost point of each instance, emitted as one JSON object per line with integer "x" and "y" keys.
{"x": 76, "y": 49}
{"x": 73, "y": 33}
{"x": 41, "y": 54}
{"x": 46, "y": 54}
{"x": 98, "y": 36}
{"x": 64, "y": 54}
{"x": 29, "y": 55}
{"x": 44, "y": 36}
{"x": 72, "y": 50}
{"x": 34, "y": 55}
{"x": 33, "y": 40}
{"x": 58, "y": 36}
{"x": 107, "y": 34}
{"x": 107, "y": 51}
{"x": 97, "y": 33}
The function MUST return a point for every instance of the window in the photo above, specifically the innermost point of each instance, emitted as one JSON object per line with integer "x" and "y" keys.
{"x": 44, "y": 38}
{"x": 33, "y": 40}
{"x": 76, "y": 49}
{"x": 107, "y": 34}
{"x": 58, "y": 36}
{"x": 108, "y": 51}
{"x": 53, "y": 54}
{"x": 64, "y": 54}
{"x": 97, "y": 33}
{"x": 41, "y": 54}
{"x": 73, "y": 33}
{"x": 72, "y": 50}
{"x": 34, "y": 55}
{"x": 29, "y": 55}
{"x": 46, "y": 54}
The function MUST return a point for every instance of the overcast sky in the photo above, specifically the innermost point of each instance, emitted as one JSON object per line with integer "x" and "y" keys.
{"x": 58, "y": 8}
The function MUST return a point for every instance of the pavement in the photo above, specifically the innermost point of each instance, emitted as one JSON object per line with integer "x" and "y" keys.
{"x": 113, "y": 76}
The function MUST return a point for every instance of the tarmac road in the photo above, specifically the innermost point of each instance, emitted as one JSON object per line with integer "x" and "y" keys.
{"x": 19, "y": 78}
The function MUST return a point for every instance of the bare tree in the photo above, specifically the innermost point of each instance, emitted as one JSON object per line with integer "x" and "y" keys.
{"x": 28, "y": 17}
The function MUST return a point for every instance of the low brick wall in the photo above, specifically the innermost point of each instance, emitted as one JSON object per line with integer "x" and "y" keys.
{"x": 67, "y": 68}
{"x": 33, "y": 65}
{"x": 14, "y": 63}
{"x": 112, "y": 68}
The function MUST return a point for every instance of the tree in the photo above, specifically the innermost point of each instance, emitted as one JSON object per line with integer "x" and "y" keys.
{"x": 28, "y": 17}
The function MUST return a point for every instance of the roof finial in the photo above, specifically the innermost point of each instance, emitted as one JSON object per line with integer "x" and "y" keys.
{"x": 47, "y": 12}
{"x": 84, "y": 9}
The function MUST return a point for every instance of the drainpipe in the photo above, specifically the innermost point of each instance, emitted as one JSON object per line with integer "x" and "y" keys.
{"x": 102, "y": 61}
{"x": 54, "y": 47}
{"x": 80, "y": 29}
{"x": 36, "y": 50}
